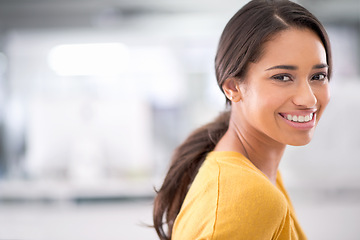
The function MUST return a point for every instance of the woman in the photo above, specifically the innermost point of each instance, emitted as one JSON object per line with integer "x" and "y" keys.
{"x": 273, "y": 64}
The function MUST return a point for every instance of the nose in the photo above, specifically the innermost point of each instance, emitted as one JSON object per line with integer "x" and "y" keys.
{"x": 304, "y": 96}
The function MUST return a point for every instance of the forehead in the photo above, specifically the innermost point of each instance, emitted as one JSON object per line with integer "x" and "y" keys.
{"x": 294, "y": 46}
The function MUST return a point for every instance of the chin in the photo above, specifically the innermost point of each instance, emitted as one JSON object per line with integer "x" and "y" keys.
{"x": 300, "y": 142}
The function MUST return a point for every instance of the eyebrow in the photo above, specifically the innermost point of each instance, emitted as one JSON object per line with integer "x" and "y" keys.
{"x": 322, "y": 65}
{"x": 292, "y": 67}
{"x": 287, "y": 67}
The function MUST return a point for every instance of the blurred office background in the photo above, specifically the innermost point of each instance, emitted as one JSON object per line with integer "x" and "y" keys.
{"x": 95, "y": 95}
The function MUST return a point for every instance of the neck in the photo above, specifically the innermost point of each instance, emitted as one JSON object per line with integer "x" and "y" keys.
{"x": 263, "y": 152}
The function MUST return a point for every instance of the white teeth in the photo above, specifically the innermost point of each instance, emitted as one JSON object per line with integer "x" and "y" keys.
{"x": 300, "y": 119}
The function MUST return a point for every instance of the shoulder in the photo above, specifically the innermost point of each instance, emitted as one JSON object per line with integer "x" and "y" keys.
{"x": 240, "y": 192}
{"x": 229, "y": 197}
{"x": 244, "y": 186}
{"x": 247, "y": 203}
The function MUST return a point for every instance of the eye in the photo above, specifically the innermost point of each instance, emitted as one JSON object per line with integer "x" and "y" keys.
{"x": 282, "y": 78}
{"x": 319, "y": 77}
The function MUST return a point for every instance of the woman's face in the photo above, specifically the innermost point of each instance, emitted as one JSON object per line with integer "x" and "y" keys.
{"x": 285, "y": 93}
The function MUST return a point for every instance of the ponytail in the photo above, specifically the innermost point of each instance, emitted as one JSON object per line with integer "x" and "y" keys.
{"x": 186, "y": 161}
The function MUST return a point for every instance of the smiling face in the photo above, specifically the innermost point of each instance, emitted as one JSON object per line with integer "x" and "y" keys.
{"x": 284, "y": 94}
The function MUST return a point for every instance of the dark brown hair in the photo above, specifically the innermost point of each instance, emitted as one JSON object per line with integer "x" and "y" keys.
{"x": 241, "y": 43}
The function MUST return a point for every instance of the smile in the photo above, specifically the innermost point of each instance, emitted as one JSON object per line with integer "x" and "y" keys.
{"x": 302, "y": 120}
{"x": 299, "y": 118}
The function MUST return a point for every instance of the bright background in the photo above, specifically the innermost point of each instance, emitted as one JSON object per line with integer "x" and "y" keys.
{"x": 96, "y": 94}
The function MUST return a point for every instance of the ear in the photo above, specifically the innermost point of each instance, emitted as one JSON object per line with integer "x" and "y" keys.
{"x": 231, "y": 89}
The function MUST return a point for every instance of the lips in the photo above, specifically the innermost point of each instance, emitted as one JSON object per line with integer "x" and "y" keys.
{"x": 301, "y": 120}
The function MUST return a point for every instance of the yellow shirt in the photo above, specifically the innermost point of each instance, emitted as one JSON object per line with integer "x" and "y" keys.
{"x": 232, "y": 199}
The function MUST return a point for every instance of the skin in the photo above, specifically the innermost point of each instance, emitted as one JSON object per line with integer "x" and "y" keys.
{"x": 289, "y": 78}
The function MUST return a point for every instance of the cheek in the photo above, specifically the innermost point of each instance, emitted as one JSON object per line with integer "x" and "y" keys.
{"x": 265, "y": 104}
{"x": 323, "y": 97}
{"x": 272, "y": 99}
